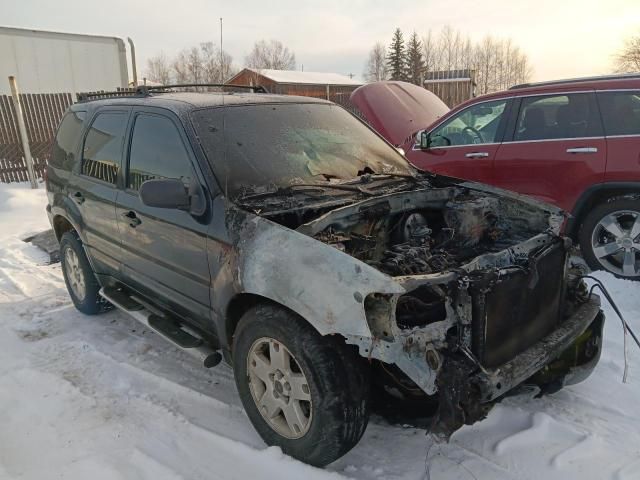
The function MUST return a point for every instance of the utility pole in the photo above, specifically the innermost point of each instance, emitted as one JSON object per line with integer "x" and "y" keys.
{"x": 221, "y": 55}
{"x": 23, "y": 131}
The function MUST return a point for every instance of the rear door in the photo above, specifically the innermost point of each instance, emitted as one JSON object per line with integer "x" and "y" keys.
{"x": 621, "y": 119}
{"x": 465, "y": 145}
{"x": 93, "y": 187}
{"x": 554, "y": 148}
{"x": 164, "y": 250}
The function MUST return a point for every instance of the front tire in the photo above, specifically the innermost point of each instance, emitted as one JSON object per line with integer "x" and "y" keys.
{"x": 78, "y": 275}
{"x": 610, "y": 238}
{"x": 303, "y": 392}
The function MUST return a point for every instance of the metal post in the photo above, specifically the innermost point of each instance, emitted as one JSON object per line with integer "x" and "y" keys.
{"x": 221, "y": 55}
{"x": 23, "y": 132}
{"x": 133, "y": 62}
{"x": 328, "y": 97}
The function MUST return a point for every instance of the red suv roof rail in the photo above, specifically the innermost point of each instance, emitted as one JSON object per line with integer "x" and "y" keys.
{"x": 621, "y": 76}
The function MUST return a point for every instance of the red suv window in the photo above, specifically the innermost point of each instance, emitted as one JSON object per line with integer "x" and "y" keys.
{"x": 558, "y": 116}
{"x": 620, "y": 112}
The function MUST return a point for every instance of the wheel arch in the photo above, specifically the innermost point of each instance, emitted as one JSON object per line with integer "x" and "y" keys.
{"x": 61, "y": 225}
{"x": 240, "y": 304}
{"x": 595, "y": 195}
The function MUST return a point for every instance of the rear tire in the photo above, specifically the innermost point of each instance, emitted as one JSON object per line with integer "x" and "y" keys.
{"x": 610, "y": 238}
{"x": 78, "y": 275}
{"x": 334, "y": 402}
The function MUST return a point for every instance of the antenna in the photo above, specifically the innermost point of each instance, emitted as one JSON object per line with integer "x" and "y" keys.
{"x": 221, "y": 55}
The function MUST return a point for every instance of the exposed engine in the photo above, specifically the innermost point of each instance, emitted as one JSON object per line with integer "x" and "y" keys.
{"x": 427, "y": 240}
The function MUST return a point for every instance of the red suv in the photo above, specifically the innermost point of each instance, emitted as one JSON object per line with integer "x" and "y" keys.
{"x": 574, "y": 143}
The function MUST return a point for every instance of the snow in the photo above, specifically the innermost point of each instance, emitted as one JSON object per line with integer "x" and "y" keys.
{"x": 99, "y": 397}
{"x": 313, "y": 78}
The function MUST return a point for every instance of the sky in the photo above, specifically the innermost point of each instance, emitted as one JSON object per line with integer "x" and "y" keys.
{"x": 563, "y": 38}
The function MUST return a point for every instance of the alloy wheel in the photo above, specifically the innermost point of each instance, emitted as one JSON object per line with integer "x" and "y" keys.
{"x": 616, "y": 242}
{"x": 279, "y": 388}
{"x": 74, "y": 274}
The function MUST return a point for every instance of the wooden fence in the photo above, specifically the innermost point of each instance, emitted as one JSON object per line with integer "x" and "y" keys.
{"x": 42, "y": 113}
{"x": 452, "y": 86}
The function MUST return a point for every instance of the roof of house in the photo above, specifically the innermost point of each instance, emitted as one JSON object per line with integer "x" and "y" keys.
{"x": 309, "y": 78}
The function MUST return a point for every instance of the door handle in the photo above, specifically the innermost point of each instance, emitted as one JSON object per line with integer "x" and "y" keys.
{"x": 134, "y": 221}
{"x": 582, "y": 150}
{"x": 78, "y": 198}
{"x": 477, "y": 155}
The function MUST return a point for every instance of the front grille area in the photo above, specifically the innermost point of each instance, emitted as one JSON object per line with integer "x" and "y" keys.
{"x": 520, "y": 309}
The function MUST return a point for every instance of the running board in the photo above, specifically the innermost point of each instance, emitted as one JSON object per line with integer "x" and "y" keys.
{"x": 167, "y": 328}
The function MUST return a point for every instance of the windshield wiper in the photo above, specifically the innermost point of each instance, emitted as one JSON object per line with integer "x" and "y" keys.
{"x": 306, "y": 188}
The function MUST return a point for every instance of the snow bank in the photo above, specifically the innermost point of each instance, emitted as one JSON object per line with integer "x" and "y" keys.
{"x": 98, "y": 397}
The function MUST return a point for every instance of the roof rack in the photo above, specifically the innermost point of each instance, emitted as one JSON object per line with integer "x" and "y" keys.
{"x": 145, "y": 90}
{"x": 87, "y": 96}
{"x": 621, "y": 76}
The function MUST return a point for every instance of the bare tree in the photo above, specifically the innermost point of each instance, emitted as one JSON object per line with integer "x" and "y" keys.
{"x": 431, "y": 52}
{"x": 376, "y": 67}
{"x": 216, "y": 67}
{"x": 158, "y": 69}
{"x": 496, "y": 63}
{"x": 180, "y": 67}
{"x": 198, "y": 64}
{"x": 270, "y": 55}
{"x": 628, "y": 59}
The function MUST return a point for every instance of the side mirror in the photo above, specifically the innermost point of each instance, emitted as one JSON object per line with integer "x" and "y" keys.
{"x": 165, "y": 193}
{"x": 425, "y": 140}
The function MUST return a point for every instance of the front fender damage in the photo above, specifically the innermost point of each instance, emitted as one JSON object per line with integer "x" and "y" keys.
{"x": 476, "y": 319}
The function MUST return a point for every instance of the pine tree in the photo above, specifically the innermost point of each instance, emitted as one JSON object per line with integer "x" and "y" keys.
{"x": 397, "y": 57}
{"x": 415, "y": 60}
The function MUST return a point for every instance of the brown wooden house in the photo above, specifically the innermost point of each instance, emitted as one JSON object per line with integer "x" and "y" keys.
{"x": 330, "y": 86}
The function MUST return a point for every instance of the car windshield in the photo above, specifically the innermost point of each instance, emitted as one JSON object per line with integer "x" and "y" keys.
{"x": 256, "y": 147}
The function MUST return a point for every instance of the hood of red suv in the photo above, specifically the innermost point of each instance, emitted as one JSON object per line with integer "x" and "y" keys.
{"x": 398, "y": 109}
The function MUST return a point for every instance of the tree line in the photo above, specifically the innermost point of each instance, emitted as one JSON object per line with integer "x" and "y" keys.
{"x": 206, "y": 63}
{"x": 496, "y": 63}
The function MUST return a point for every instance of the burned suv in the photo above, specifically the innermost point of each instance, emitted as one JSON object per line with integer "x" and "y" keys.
{"x": 282, "y": 234}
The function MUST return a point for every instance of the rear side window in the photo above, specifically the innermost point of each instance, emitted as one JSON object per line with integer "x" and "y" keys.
{"x": 558, "y": 116}
{"x": 102, "y": 151}
{"x": 66, "y": 141}
{"x": 157, "y": 151}
{"x": 620, "y": 112}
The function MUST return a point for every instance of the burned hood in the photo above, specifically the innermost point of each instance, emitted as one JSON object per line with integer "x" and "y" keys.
{"x": 398, "y": 109}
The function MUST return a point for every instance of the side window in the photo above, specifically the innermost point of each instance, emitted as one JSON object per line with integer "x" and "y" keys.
{"x": 67, "y": 139}
{"x": 620, "y": 112}
{"x": 557, "y": 116}
{"x": 157, "y": 151}
{"x": 475, "y": 125}
{"x": 102, "y": 151}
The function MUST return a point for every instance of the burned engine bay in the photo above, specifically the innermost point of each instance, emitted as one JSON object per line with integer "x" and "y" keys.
{"x": 480, "y": 282}
{"x": 428, "y": 240}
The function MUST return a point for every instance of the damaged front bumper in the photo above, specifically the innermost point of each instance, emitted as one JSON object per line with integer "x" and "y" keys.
{"x": 495, "y": 382}
{"x": 504, "y": 327}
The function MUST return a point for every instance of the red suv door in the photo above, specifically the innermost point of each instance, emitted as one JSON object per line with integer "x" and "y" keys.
{"x": 465, "y": 144}
{"x": 621, "y": 118}
{"x": 554, "y": 148}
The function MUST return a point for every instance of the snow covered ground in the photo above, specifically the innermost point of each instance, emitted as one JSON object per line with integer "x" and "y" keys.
{"x": 98, "y": 397}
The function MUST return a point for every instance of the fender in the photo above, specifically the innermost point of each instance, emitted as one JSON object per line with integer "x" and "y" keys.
{"x": 69, "y": 211}
{"x": 302, "y": 273}
{"x": 587, "y": 197}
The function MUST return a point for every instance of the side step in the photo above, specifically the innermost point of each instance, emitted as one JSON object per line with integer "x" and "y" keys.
{"x": 166, "y": 327}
